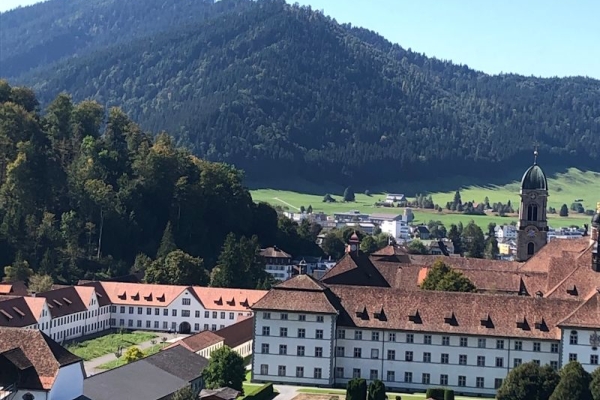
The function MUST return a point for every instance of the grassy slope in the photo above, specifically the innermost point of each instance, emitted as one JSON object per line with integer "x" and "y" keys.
{"x": 94, "y": 348}
{"x": 564, "y": 189}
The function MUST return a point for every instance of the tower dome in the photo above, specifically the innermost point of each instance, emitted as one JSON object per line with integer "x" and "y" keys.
{"x": 534, "y": 179}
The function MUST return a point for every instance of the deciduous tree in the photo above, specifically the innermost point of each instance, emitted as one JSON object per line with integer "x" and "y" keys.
{"x": 528, "y": 381}
{"x": 225, "y": 369}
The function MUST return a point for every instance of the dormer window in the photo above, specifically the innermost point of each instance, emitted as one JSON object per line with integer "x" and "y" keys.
{"x": 541, "y": 325}
{"x": 450, "y": 319}
{"x": 380, "y": 315}
{"x": 486, "y": 321}
{"x": 415, "y": 317}
{"x": 523, "y": 324}
{"x": 362, "y": 314}
{"x": 573, "y": 291}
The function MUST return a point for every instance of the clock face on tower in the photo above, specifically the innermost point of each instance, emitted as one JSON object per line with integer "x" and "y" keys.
{"x": 531, "y": 233}
{"x": 532, "y": 196}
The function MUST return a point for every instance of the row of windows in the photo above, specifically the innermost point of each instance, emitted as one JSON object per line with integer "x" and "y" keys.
{"x": 80, "y": 316}
{"x": 156, "y": 325}
{"x": 78, "y": 330}
{"x": 174, "y": 312}
{"x": 282, "y": 371}
{"x": 266, "y": 331}
{"x": 463, "y": 341}
{"x": 284, "y": 317}
{"x": 283, "y": 350}
{"x": 593, "y": 358}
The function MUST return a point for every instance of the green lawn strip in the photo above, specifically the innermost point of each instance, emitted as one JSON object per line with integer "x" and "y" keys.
{"x": 98, "y": 347}
{"x": 390, "y": 395}
{"x": 121, "y": 361}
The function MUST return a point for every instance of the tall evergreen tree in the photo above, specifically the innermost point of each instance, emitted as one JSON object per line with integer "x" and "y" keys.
{"x": 167, "y": 243}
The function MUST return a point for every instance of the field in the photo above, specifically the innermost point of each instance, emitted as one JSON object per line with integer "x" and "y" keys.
{"x": 121, "y": 361}
{"x": 95, "y": 348}
{"x": 564, "y": 188}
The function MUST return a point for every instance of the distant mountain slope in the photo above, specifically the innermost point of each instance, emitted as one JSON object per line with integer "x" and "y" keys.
{"x": 283, "y": 91}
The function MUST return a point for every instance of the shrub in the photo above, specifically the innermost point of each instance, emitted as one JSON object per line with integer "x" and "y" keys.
{"x": 265, "y": 392}
{"x": 435, "y": 393}
{"x": 398, "y": 397}
{"x": 449, "y": 394}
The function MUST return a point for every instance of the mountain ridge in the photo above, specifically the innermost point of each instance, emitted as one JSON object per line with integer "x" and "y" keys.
{"x": 285, "y": 92}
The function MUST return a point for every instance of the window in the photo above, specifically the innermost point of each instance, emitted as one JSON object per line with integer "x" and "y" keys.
{"x": 300, "y": 372}
{"x": 517, "y": 362}
{"x": 408, "y": 377}
{"x": 317, "y": 374}
{"x": 410, "y": 338}
{"x": 148, "y": 324}
{"x": 186, "y": 302}
{"x": 339, "y": 351}
{"x": 266, "y": 315}
{"x": 319, "y": 334}
{"x": 207, "y": 314}
{"x": 481, "y": 361}
{"x": 554, "y": 348}
{"x": 391, "y": 376}
{"x": 500, "y": 344}
{"x": 300, "y": 351}
{"x": 464, "y": 342}
{"x": 408, "y": 355}
{"x": 427, "y": 339}
{"x": 121, "y": 322}
{"x": 479, "y": 382}
{"x": 301, "y": 317}
{"x": 139, "y": 323}
{"x": 282, "y": 349}
{"x": 375, "y": 336}
{"x": 373, "y": 374}
{"x": 282, "y": 331}
{"x": 356, "y": 373}
{"x": 554, "y": 365}
{"x": 462, "y": 380}
{"x": 222, "y": 314}
{"x": 357, "y": 335}
{"x": 284, "y": 316}
{"x": 426, "y": 357}
{"x": 214, "y": 315}
{"x": 121, "y": 309}
{"x": 594, "y": 359}
{"x": 445, "y": 340}
{"x": 357, "y": 352}
{"x": 231, "y": 315}
{"x": 537, "y": 346}
{"x": 572, "y": 357}
{"x": 374, "y": 353}
{"x": 266, "y": 331}
{"x": 165, "y": 325}
{"x": 518, "y": 345}
{"x": 530, "y": 249}
{"x": 536, "y": 362}
{"x": 130, "y": 310}
{"x": 205, "y": 327}
{"x": 185, "y": 313}
{"x": 301, "y": 332}
{"x": 532, "y": 212}
{"x": 425, "y": 379}
{"x": 173, "y": 325}
{"x": 444, "y": 380}
{"x": 140, "y": 310}
{"x": 497, "y": 383}
{"x": 174, "y": 312}
{"x": 320, "y": 318}
{"x": 213, "y": 327}
{"x": 392, "y": 337}
{"x": 339, "y": 372}
{"x": 391, "y": 354}
{"x": 264, "y": 369}
{"x": 462, "y": 359}
{"x": 318, "y": 352}
{"x": 499, "y": 362}
{"x": 341, "y": 334}
{"x": 573, "y": 337}
{"x": 444, "y": 358}
{"x": 481, "y": 343}
{"x": 281, "y": 370}
{"x": 148, "y": 311}
{"x": 264, "y": 348}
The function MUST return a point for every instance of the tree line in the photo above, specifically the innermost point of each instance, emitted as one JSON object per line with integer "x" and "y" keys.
{"x": 85, "y": 193}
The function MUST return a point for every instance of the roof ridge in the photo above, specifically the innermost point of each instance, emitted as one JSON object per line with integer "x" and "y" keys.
{"x": 589, "y": 297}
{"x": 569, "y": 275}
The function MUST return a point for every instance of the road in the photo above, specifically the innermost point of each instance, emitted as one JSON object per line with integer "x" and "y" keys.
{"x": 286, "y": 203}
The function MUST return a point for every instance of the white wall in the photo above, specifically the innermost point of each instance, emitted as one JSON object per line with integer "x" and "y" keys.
{"x": 206, "y": 352}
{"x": 581, "y": 347}
{"x": 244, "y": 349}
{"x": 68, "y": 384}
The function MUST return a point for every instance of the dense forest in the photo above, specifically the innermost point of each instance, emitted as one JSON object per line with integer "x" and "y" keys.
{"x": 85, "y": 193}
{"x": 284, "y": 92}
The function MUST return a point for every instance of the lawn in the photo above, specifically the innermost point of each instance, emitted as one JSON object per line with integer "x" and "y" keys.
{"x": 95, "y": 348}
{"x": 121, "y": 361}
{"x": 564, "y": 188}
{"x": 390, "y": 395}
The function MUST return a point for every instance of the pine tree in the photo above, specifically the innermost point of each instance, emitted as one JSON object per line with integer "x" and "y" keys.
{"x": 564, "y": 211}
{"x": 167, "y": 243}
{"x": 349, "y": 194}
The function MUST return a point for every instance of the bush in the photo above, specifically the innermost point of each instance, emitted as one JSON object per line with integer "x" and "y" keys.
{"x": 449, "y": 394}
{"x": 264, "y": 393}
{"x": 398, "y": 397}
{"x": 435, "y": 393}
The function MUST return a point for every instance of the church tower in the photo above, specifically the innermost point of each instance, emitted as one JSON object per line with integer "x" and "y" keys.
{"x": 532, "y": 234}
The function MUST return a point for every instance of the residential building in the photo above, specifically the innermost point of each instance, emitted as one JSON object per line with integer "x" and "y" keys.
{"x": 395, "y": 198}
{"x": 13, "y": 289}
{"x": 505, "y": 232}
{"x": 219, "y": 394}
{"x": 399, "y": 230}
{"x": 155, "y": 377}
{"x": 33, "y": 366}
{"x": 278, "y": 263}
{"x": 351, "y": 216}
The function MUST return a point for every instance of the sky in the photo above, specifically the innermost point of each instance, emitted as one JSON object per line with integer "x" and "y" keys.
{"x": 529, "y": 37}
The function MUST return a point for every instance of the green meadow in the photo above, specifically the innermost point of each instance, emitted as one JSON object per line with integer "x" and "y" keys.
{"x": 564, "y": 188}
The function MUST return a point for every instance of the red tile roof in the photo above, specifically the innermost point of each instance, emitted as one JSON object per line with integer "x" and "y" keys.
{"x": 20, "y": 312}
{"x": 226, "y": 299}
{"x": 587, "y": 314}
{"x": 198, "y": 341}
{"x": 274, "y": 252}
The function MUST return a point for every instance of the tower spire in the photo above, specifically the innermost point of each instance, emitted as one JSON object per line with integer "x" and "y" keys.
{"x": 535, "y": 154}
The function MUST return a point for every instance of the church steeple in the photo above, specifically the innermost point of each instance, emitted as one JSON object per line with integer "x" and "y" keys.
{"x": 532, "y": 234}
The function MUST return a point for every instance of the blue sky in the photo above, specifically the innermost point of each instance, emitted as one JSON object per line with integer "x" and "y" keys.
{"x": 531, "y": 37}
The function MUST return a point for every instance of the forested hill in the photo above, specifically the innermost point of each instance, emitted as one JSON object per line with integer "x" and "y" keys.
{"x": 285, "y": 92}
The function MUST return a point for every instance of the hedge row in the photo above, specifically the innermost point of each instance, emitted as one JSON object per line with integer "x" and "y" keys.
{"x": 265, "y": 392}
{"x": 440, "y": 394}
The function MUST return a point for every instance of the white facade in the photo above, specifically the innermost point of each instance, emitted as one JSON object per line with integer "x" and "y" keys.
{"x": 396, "y": 229}
{"x": 506, "y": 232}
{"x": 280, "y": 272}
{"x": 293, "y": 348}
{"x": 68, "y": 384}
{"x": 582, "y": 345}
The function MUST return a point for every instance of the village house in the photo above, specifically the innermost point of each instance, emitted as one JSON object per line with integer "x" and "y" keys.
{"x": 278, "y": 263}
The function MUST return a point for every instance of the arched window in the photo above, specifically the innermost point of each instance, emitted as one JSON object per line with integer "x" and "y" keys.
{"x": 532, "y": 212}
{"x": 530, "y": 248}
{"x": 573, "y": 337}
